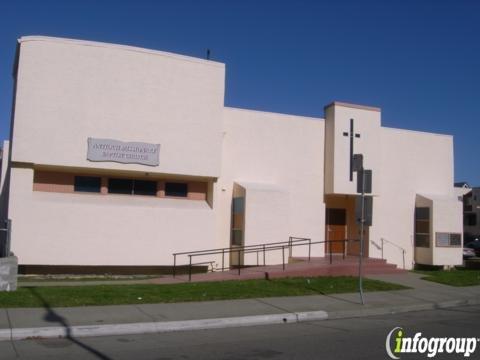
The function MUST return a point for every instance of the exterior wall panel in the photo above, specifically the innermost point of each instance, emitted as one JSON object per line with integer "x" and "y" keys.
{"x": 68, "y": 91}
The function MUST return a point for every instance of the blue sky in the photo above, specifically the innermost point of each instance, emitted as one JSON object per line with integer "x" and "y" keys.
{"x": 417, "y": 60}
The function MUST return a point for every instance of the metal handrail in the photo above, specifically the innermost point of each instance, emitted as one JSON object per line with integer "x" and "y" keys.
{"x": 257, "y": 248}
{"x": 292, "y": 239}
{"x": 397, "y": 246}
{"x": 244, "y": 246}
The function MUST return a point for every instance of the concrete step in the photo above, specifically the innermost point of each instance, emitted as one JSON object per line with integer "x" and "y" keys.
{"x": 335, "y": 271}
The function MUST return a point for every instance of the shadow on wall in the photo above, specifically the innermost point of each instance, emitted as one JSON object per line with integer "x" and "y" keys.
{"x": 52, "y": 316}
{"x": 377, "y": 246}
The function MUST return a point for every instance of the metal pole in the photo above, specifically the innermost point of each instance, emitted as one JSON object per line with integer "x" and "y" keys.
{"x": 330, "y": 249}
{"x": 174, "y": 263}
{"x": 403, "y": 253}
{"x": 309, "y": 248}
{"x": 9, "y": 234}
{"x": 239, "y": 261}
{"x": 362, "y": 220}
{"x": 382, "y": 247}
{"x": 263, "y": 254}
{"x": 190, "y": 269}
{"x": 223, "y": 259}
{"x": 283, "y": 257}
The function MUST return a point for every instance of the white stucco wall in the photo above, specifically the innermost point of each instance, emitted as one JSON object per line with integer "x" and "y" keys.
{"x": 70, "y": 90}
{"x": 277, "y": 149}
{"x": 403, "y": 163}
{"x": 447, "y": 218}
{"x": 412, "y": 163}
{"x": 91, "y": 229}
{"x": 267, "y": 220}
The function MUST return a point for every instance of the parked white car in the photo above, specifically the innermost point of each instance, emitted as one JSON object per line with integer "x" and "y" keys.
{"x": 468, "y": 253}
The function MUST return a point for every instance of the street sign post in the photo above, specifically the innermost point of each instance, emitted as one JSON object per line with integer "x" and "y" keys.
{"x": 363, "y": 210}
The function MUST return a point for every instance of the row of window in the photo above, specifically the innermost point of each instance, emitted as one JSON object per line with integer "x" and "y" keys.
{"x": 238, "y": 219}
{"x": 422, "y": 232}
{"x": 93, "y": 184}
{"x": 422, "y": 227}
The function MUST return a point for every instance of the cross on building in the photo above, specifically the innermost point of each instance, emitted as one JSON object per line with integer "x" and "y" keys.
{"x": 351, "y": 135}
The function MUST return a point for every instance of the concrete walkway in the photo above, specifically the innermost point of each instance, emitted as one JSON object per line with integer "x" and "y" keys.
{"x": 321, "y": 266}
{"x": 46, "y": 322}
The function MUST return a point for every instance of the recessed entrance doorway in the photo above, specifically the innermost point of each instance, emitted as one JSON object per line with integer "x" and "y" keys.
{"x": 342, "y": 233}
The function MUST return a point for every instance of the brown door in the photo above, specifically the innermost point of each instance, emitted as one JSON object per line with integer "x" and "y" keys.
{"x": 353, "y": 246}
{"x": 336, "y": 227}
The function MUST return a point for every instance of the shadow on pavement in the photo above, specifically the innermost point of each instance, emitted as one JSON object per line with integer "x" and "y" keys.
{"x": 52, "y": 316}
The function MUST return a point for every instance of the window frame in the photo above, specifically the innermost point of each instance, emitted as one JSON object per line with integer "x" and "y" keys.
{"x": 441, "y": 233}
{"x": 145, "y": 193}
{"x": 176, "y": 194}
{"x": 77, "y": 187}
{"x": 118, "y": 180}
{"x": 417, "y": 242}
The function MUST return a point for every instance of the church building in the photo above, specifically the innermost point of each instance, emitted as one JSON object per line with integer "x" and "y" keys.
{"x": 121, "y": 156}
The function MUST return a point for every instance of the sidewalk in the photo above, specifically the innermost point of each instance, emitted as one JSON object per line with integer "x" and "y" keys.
{"x": 18, "y": 324}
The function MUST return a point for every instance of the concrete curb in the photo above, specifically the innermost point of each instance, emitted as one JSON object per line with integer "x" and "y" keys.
{"x": 157, "y": 327}
{"x": 217, "y": 323}
{"x": 401, "y": 309}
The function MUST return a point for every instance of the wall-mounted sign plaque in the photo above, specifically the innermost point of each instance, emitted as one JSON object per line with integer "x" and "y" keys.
{"x": 123, "y": 152}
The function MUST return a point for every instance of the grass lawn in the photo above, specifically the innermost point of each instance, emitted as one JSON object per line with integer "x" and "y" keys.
{"x": 145, "y": 294}
{"x": 456, "y": 277}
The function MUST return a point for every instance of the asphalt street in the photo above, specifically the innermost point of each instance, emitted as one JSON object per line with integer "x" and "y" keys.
{"x": 356, "y": 338}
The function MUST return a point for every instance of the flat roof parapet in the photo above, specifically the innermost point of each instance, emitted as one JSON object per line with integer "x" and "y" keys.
{"x": 355, "y": 106}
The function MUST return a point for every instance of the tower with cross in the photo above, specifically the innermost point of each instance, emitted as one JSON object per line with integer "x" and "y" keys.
{"x": 350, "y": 129}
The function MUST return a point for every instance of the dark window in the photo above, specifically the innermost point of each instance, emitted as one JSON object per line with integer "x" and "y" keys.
{"x": 237, "y": 237}
{"x": 470, "y": 219}
{"x": 120, "y": 186}
{"x": 455, "y": 239}
{"x": 336, "y": 217}
{"x": 422, "y": 213}
{"x": 238, "y": 205}
{"x": 176, "y": 189}
{"x": 143, "y": 187}
{"x": 422, "y": 240}
{"x": 132, "y": 187}
{"x": 87, "y": 184}
{"x": 422, "y": 227}
{"x": 238, "y": 220}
